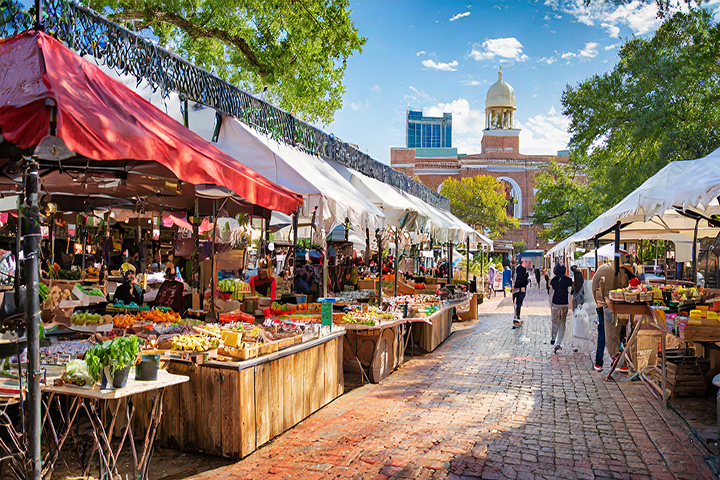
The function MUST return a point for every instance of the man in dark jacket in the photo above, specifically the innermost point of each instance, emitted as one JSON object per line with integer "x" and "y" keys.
{"x": 519, "y": 290}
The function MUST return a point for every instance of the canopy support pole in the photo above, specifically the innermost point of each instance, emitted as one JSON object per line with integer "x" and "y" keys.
{"x": 694, "y": 251}
{"x": 32, "y": 316}
{"x": 617, "y": 248}
{"x": 195, "y": 275}
{"x": 640, "y": 256}
{"x": 450, "y": 264}
{"x": 665, "y": 262}
{"x": 467, "y": 261}
{"x": 397, "y": 261}
{"x": 380, "y": 275}
{"x": 597, "y": 246}
{"x": 294, "y": 245}
{"x": 368, "y": 254}
{"x": 84, "y": 248}
{"x": 211, "y": 316}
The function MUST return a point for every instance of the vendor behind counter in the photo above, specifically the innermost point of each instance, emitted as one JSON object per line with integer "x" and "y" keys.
{"x": 263, "y": 283}
{"x": 171, "y": 292}
{"x": 129, "y": 291}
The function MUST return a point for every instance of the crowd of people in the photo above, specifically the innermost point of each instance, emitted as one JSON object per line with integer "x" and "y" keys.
{"x": 566, "y": 292}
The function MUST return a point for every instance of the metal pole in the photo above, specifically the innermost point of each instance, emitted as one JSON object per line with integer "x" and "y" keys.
{"x": 213, "y": 276}
{"x": 597, "y": 246}
{"x": 39, "y": 26}
{"x": 665, "y": 261}
{"x": 450, "y": 265}
{"x": 368, "y": 253}
{"x": 694, "y": 251}
{"x": 84, "y": 247}
{"x": 617, "y": 248}
{"x": 467, "y": 261}
{"x": 32, "y": 313}
{"x": 397, "y": 261}
{"x": 380, "y": 255}
{"x": 197, "y": 288}
{"x": 294, "y": 246}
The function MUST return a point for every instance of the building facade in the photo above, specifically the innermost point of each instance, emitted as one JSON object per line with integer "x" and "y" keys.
{"x": 428, "y": 132}
{"x": 499, "y": 157}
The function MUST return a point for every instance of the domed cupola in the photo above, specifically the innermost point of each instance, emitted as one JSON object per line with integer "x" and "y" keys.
{"x": 500, "y": 105}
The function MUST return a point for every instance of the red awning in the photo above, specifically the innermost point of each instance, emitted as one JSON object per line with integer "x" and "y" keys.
{"x": 100, "y": 118}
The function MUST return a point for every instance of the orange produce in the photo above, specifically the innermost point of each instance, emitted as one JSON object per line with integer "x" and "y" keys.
{"x": 158, "y": 316}
{"x": 123, "y": 321}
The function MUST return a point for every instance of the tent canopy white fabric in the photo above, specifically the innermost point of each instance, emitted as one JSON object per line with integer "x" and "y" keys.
{"x": 334, "y": 196}
{"x": 685, "y": 184}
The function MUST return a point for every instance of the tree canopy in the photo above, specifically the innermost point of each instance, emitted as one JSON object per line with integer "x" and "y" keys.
{"x": 297, "y": 50}
{"x": 659, "y": 104}
{"x": 564, "y": 202}
{"x": 479, "y": 201}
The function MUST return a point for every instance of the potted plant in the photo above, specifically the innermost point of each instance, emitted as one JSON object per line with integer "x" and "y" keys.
{"x": 112, "y": 359}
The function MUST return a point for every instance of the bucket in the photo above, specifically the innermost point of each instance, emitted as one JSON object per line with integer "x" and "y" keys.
{"x": 147, "y": 369}
{"x": 121, "y": 377}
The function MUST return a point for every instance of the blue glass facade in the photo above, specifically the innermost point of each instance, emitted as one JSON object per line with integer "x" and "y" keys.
{"x": 428, "y": 132}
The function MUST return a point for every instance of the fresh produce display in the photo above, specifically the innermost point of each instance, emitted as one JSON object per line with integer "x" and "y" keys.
{"x": 116, "y": 354}
{"x": 309, "y": 307}
{"x": 93, "y": 292}
{"x": 88, "y": 319}
{"x": 236, "y": 316}
{"x": 158, "y": 316}
{"x": 281, "y": 307}
{"x": 67, "y": 275}
{"x": 123, "y": 321}
{"x": 373, "y": 316}
{"x": 194, "y": 343}
{"x": 77, "y": 373}
{"x": 357, "y": 320}
{"x": 44, "y": 292}
{"x": 235, "y": 287}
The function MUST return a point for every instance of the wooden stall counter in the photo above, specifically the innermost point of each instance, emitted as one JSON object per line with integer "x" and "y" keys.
{"x": 429, "y": 332}
{"x": 230, "y": 409}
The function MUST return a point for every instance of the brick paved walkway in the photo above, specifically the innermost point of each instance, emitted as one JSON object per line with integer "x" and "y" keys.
{"x": 491, "y": 402}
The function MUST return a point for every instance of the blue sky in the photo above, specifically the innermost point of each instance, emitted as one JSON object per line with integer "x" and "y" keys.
{"x": 443, "y": 56}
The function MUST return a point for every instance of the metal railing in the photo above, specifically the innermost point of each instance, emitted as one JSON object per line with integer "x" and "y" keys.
{"x": 88, "y": 32}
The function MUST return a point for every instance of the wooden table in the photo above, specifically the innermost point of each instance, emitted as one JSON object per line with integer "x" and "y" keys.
{"x": 429, "y": 332}
{"x": 95, "y": 403}
{"x": 651, "y": 318}
{"x": 375, "y": 350}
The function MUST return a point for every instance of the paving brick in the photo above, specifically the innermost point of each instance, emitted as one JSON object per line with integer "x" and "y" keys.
{"x": 491, "y": 402}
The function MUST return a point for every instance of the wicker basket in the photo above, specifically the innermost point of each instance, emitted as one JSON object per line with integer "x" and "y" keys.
{"x": 632, "y": 296}
{"x": 617, "y": 296}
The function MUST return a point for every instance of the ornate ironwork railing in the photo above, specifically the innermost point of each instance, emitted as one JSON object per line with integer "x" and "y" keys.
{"x": 88, "y": 32}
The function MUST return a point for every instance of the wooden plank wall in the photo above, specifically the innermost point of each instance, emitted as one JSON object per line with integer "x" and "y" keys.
{"x": 231, "y": 413}
{"x": 430, "y": 336}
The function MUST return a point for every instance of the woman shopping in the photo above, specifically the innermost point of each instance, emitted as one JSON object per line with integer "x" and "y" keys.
{"x": 561, "y": 286}
{"x": 519, "y": 291}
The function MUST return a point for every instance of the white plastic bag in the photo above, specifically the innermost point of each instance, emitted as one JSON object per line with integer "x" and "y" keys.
{"x": 583, "y": 339}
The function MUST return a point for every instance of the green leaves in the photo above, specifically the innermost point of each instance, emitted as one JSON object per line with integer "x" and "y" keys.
{"x": 297, "y": 50}
{"x": 479, "y": 201}
{"x": 564, "y": 203}
{"x": 116, "y": 353}
{"x": 660, "y": 103}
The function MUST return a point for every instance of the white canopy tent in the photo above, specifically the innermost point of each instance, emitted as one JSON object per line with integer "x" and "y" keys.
{"x": 322, "y": 186}
{"x": 650, "y": 211}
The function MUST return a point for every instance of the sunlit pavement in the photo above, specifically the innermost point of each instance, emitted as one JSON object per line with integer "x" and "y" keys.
{"x": 491, "y": 402}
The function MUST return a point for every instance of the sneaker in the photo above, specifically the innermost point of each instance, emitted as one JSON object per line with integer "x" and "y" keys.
{"x": 558, "y": 348}
{"x": 552, "y": 341}
{"x": 598, "y": 368}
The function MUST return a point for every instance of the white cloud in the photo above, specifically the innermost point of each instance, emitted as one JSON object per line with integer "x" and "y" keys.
{"x": 613, "y": 46}
{"x": 421, "y": 52}
{"x": 472, "y": 83}
{"x": 442, "y": 66}
{"x": 376, "y": 88}
{"x": 421, "y": 94}
{"x": 548, "y": 60}
{"x": 567, "y": 55}
{"x": 639, "y": 16}
{"x": 360, "y": 105}
{"x": 590, "y": 50}
{"x": 506, "y": 48}
{"x": 459, "y": 15}
{"x": 612, "y": 30}
{"x": 544, "y": 134}
{"x": 468, "y": 123}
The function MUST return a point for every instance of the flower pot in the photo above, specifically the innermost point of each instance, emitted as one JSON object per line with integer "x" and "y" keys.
{"x": 147, "y": 369}
{"x": 121, "y": 377}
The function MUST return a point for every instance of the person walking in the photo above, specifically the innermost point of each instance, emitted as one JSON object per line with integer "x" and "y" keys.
{"x": 578, "y": 292}
{"x": 537, "y": 277}
{"x": 604, "y": 280}
{"x": 491, "y": 279}
{"x": 561, "y": 285}
{"x": 547, "y": 281}
{"x": 519, "y": 291}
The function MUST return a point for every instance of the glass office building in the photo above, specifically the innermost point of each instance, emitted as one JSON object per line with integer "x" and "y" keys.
{"x": 428, "y": 132}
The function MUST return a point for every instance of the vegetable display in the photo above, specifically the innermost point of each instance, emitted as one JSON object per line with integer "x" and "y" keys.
{"x": 193, "y": 343}
{"x": 159, "y": 316}
{"x": 76, "y": 372}
{"x": 116, "y": 354}
{"x": 87, "y": 319}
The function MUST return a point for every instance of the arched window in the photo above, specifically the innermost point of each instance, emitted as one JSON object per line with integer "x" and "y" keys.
{"x": 514, "y": 196}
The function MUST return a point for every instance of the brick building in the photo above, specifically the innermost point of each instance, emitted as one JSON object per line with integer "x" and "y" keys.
{"x": 500, "y": 157}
